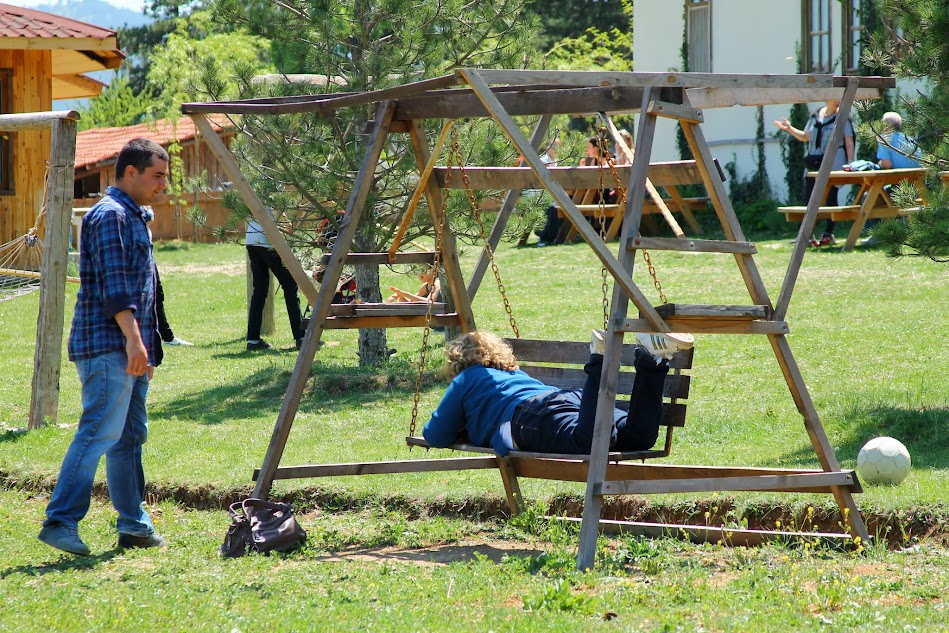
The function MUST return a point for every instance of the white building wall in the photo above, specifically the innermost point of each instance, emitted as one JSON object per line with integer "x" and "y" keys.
{"x": 759, "y": 36}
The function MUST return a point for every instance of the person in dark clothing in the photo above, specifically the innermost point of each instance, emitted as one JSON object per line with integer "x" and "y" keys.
{"x": 495, "y": 404}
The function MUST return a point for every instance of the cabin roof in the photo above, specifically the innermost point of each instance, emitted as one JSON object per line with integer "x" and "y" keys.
{"x": 77, "y": 47}
{"x": 101, "y": 146}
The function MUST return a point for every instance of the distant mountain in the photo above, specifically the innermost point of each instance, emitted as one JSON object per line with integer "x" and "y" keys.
{"x": 95, "y": 12}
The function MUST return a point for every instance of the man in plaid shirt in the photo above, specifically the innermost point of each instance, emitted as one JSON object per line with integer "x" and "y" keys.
{"x": 116, "y": 347}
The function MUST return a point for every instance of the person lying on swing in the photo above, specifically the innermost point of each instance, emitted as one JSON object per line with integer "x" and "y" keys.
{"x": 497, "y": 405}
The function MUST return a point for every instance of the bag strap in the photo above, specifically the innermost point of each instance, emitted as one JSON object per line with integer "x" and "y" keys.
{"x": 236, "y": 509}
{"x": 253, "y": 502}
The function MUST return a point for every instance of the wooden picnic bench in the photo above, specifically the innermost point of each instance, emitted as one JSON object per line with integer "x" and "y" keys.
{"x": 872, "y": 199}
{"x": 668, "y": 176}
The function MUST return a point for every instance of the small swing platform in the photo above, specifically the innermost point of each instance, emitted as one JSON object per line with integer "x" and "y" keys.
{"x": 502, "y": 96}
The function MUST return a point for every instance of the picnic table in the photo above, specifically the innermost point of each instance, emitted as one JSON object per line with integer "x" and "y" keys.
{"x": 871, "y": 201}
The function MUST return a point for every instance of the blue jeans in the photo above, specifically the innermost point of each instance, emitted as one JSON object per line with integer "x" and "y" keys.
{"x": 113, "y": 423}
{"x": 562, "y": 421}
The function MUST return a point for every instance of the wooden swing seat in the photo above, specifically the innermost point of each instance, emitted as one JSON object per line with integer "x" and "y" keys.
{"x": 560, "y": 364}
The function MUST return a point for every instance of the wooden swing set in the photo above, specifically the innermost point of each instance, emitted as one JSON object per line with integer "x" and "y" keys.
{"x": 501, "y": 95}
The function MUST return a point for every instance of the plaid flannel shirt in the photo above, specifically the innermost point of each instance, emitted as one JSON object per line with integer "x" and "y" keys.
{"x": 116, "y": 273}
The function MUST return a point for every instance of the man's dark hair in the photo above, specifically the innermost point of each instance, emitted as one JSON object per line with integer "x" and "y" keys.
{"x": 138, "y": 153}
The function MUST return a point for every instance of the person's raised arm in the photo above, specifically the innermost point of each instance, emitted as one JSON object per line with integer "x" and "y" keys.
{"x": 785, "y": 125}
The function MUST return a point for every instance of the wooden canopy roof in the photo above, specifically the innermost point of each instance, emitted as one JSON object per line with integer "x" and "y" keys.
{"x": 537, "y": 92}
{"x": 77, "y": 47}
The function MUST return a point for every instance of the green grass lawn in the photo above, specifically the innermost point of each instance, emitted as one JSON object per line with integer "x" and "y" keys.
{"x": 382, "y": 571}
{"x": 410, "y": 552}
{"x": 866, "y": 332}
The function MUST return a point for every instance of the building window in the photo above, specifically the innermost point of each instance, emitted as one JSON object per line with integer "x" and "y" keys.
{"x": 699, "y": 29}
{"x": 6, "y": 138}
{"x": 852, "y": 35}
{"x": 817, "y": 55}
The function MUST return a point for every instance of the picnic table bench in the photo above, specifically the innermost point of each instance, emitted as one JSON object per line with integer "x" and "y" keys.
{"x": 668, "y": 176}
{"x": 872, "y": 200}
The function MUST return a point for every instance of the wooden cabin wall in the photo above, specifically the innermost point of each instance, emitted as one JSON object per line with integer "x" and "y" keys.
{"x": 31, "y": 91}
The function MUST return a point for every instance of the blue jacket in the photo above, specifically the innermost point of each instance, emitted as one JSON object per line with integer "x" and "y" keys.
{"x": 116, "y": 272}
{"x": 478, "y": 401}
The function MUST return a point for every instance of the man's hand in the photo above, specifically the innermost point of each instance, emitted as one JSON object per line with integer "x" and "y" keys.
{"x": 134, "y": 347}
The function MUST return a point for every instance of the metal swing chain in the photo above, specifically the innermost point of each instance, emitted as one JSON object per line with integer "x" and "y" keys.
{"x": 456, "y": 152}
{"x": 622, "y": 199}
{"x": 439, "y": 224}
{"x": 655, "y": 277}
{"x": 604, "y": 285}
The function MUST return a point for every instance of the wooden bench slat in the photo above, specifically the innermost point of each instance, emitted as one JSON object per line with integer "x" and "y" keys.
{"x": 690, "y": 245}
{"x": 471, "y": 448}
{"x": 731, "y": 312}
{"x": 410, "y": 257}
{"x": 839, "y": 213}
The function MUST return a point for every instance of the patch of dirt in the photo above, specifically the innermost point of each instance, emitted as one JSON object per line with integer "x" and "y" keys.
{"x": 898, "y": 529}
{"x": 230, "y": 269}
{"x": 465, "y": 551}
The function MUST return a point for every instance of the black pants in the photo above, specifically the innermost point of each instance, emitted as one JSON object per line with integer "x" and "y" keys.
{"x": 264, "y": 261}
{"x": 562, "y": 421}
{"x": 831, "y": 201}
{"x": 164, "y": 329}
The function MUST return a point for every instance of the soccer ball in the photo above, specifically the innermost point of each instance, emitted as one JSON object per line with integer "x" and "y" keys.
{"x": 883, "y": 460}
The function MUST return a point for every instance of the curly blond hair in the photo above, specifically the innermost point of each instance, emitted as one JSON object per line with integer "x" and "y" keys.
{"x": 479, "y": 348}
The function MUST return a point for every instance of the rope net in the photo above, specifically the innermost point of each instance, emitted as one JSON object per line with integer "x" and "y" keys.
{"x": 20, "y": 265}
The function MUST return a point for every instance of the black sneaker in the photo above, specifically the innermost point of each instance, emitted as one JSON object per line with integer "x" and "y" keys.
{"x": 129, "y": 541}
{"x": 257, "y": 345}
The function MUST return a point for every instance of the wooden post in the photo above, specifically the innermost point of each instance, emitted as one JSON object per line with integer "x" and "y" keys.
{"x": 47, "y": 360}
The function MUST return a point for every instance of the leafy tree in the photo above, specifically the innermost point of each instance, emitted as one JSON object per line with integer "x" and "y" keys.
{"x": 303, "y": 166}
{"x": 175, "y": 67}
{"x": 118, "y": 105}
{"x": 595, "y": 48}
{"x": 570, "y": 19}
{"x": 911, "y": 43}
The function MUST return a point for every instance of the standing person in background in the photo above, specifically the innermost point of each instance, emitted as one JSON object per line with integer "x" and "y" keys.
{"x": 263, "y": 261}
{"x": 817, "y": 134}
{"x": 115, "y": 345}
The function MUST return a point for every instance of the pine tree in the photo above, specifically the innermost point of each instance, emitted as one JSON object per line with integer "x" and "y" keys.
{"x": 911, "y": 43}
{"x": 303, "y": 166}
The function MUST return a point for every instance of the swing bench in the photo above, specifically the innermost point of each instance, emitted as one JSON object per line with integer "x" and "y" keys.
{"x": 560, "y": 364}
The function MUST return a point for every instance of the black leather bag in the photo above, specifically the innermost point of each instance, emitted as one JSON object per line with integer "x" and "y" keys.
{"x": 263, "y": 527}
{"x": 812, "y": 161}
{"x": 238, "y": 538}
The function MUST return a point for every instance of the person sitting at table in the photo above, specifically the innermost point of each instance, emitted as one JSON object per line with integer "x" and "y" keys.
{"x": 817, "y": 134}
{"x": 597, "y": 154}
{"x": 895, "y": 150}
{"x": 492, "y": 403}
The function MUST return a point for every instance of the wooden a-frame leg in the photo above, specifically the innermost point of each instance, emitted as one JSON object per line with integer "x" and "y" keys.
{"x": 511, "y": 487}
{"x": 606, "y": 401}
{"x": 301, "y": 371}
{"x": 815, "y": 430}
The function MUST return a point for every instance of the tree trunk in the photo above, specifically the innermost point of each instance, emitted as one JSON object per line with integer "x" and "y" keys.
{"x": 373, "y": 346}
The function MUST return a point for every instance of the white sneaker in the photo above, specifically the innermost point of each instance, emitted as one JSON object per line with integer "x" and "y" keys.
{"x": 179, "y": 341}
{"x": 664, "y": 345}
{"x": 598, "y": 342}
